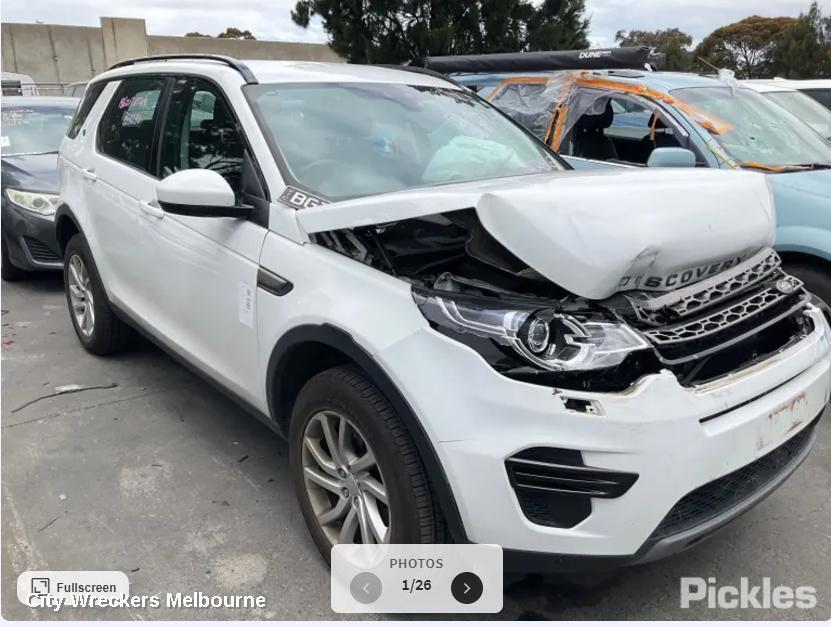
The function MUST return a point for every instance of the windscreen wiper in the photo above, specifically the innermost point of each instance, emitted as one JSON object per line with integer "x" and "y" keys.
{"x": 815, "y": 166}
{"x": 791, "y": 167}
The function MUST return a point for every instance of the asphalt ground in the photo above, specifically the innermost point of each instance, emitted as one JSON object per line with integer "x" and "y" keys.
{"x": 156, "y": 474}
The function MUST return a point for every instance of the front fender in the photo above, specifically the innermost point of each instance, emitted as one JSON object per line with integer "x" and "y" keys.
{"x": 803, "y": 212}
{"x": 808, "y": 240}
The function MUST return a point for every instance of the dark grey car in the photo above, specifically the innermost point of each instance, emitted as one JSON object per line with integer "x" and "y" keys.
{"x": 32, "y": 131}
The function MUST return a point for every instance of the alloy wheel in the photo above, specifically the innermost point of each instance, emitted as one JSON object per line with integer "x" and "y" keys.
{"x": 344, "y": 482}
{"x": 80, "y": 295}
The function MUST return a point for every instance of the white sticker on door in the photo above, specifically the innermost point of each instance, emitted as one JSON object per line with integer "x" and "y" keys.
{"x": 246, "y": 305}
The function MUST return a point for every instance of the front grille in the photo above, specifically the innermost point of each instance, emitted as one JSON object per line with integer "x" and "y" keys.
{"x": 733, "y": 314}
{"x": 720, "y": 495}
{"x": 40, "y": 251}
{"x": 555, "y": 488}
{"x": 725, "y": 323}
{"x": 694, "y": 298}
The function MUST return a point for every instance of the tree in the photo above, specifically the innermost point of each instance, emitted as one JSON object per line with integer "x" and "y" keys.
{"x": 234, "y": 33}
{"x": 747, "y": 46}
{"x": 395, "y": 31}
{"x": 804, "y": 50}
{"x": 559, "y": 25}
{"x": 673, "y": 43}
{"x": 195, "y": 33}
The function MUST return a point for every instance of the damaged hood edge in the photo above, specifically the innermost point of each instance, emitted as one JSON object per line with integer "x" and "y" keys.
{"x": 595, "y": 233}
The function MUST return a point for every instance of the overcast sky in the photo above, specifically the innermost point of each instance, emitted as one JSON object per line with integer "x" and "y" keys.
{"x": 270, "y": 19}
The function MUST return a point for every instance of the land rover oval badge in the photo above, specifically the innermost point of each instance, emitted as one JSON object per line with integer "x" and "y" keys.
{"x": 787, "y": 285}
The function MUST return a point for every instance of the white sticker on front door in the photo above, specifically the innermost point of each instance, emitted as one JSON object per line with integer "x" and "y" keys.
{"x": 246, "y": 305}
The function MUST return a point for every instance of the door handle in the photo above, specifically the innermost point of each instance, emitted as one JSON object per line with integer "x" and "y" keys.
{"x": 151, "y": 210}
{"x": 90, "y": 175}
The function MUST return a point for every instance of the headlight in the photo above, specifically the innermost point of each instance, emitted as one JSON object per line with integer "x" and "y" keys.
{"x": 36, "y": 202}
{"x": 546, "y": 338}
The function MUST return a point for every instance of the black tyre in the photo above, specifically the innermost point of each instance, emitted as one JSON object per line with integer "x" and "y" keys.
{"x": 8, "y": 271}
{"x": 816, "y": 278}
{"x": 98, "y": 328}
{"x": 357, "y": 473}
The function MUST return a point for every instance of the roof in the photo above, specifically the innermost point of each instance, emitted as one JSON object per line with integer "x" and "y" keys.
{"x": 34, "y": 101}
{"x": 819, "y": 83}
{"x": 310, "y": 71}
{"x": 669, "y": 81}
{"x": 663, "y": 81}
{"x": 287, "y": 72}
{"x": 15, "y": 76}
{"x": 766, "y": 87}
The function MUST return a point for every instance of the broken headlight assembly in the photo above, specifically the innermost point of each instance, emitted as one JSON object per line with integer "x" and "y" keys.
{"x": 544, "y": 338}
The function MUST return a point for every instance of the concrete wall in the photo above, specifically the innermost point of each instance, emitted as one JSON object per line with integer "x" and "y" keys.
{"x": 241, "y": 48}
{"x": 55, "y": 54}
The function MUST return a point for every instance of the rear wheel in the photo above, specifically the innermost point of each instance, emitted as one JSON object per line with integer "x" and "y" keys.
{"x": 816, "y": 278}
{"x": 357, "y": 474}
{"x": 98, "y": 328}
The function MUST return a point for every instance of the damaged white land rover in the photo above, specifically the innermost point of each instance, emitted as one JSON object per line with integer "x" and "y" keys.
{"x": 462, "y": 339}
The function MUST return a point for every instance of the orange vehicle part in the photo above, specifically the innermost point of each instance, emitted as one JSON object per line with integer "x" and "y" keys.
{"x": 554, "y": 132}
{"x": 711, "y": 123}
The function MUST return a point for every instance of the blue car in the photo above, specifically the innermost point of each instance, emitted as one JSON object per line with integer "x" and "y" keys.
{"x": 638, "y": 118}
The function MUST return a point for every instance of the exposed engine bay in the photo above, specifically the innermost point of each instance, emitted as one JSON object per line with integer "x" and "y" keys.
{"x": 450, "y": 252}
{"x": 474, "y": 289}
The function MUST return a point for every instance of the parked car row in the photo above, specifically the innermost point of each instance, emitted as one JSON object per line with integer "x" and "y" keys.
{"x": 636, "y": 117}
{"x": 462, "y": 337}
{"x": 32, "y": 130}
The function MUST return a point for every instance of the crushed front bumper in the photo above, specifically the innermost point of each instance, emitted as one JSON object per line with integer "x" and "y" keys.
{"x": 676, "y": 440}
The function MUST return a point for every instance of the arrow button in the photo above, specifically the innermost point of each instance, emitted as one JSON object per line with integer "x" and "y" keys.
{"x": 466, "y": 588}
{"x": 365, "y": 588}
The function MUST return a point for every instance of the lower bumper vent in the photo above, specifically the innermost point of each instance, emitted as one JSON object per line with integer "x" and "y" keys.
{"x": 722, "y": 494}
{"x": 555, "y": 488}
{"x": 40, "y": 251}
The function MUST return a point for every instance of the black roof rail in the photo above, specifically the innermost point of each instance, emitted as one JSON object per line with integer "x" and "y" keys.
{"x": 236, "y": 64}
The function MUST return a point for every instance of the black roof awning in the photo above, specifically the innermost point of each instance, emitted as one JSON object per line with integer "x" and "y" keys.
{"x": 600, "y": 59}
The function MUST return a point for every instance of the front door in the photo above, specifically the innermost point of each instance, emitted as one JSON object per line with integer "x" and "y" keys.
{"x": 209, "y": 265}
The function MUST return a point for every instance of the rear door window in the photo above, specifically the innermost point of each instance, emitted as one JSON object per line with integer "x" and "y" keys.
{"x": 90, "y": 98}
{"x": 128, "y": 126}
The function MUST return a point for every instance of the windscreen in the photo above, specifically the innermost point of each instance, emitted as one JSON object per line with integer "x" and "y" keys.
{"x": 345, "y": 140}
{"x": 762, "y": 132}
{"x": 805, "y": 108}
{"x": 34, "y": 129}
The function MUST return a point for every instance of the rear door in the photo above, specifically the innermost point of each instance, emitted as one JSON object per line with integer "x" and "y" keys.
{"x": 118, "y": 178}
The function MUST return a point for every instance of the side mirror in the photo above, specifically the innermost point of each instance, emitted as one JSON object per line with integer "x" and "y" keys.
{"x": 671, "y": 158}
{"x": 202, "y": 193}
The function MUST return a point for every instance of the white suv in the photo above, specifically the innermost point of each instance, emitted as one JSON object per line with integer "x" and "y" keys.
{"x": 462, "y": 339}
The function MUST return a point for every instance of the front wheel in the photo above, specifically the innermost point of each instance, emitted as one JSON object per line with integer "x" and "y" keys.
{"x": 357, "y": 474}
